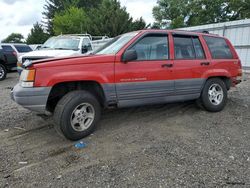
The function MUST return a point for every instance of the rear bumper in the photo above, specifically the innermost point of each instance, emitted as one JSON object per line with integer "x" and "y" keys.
{"x": 236, "y": 80}
{"x": 34, "y": 99}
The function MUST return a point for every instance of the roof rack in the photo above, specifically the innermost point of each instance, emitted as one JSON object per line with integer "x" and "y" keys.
{"x": 79, "y": 35}
{"x": 88, "y": 35}
{"x": 100, "y": 37}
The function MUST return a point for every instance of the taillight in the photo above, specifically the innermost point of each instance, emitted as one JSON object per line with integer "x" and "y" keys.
{"x": 14, "y": 53}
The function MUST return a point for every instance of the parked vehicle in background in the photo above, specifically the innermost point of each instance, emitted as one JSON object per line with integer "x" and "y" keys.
{"x": 60, "y": 46}
{"x": 11, "y": 52}
{"x": 99, "y": 41}
{"x": 3, "y": 68}
{"x": 16, "y": 49}
{"x": 138, "y": 68}
{"x": 35, "y": 46}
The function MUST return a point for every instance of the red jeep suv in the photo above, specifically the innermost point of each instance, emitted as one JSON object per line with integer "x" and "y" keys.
{"x": 138, "y": 68}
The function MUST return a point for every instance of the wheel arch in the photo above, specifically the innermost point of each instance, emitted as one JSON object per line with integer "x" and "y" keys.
{"x": 227, "y": 80}
{"x": 2, "y": 62}
{"x": 62, "y": 88}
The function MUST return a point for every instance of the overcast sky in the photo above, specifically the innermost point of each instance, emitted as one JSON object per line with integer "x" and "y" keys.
{"x": 19, "y": 15}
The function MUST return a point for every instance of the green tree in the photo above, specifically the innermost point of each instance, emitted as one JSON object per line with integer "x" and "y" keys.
{"x": 138, "y": 24}
{"x": 108, "y": 19}
{"x": 111, "y": 19}
{"x": 196, "y": 12}
{"x": 56, "y": 6}
{"x": 37, "y": 35}
{"x": 174, "y": 10}
{"x": 72, "y": 20}
{"x": 14, "y": 38}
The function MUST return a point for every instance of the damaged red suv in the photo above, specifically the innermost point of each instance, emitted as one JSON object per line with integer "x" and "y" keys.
{"x": 138, "y": 68}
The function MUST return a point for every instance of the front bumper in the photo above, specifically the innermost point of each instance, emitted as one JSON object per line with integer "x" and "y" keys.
{"x": 34, "y": 99}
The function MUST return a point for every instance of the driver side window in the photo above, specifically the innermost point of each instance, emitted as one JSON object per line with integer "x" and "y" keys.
{"x": 152, "y": 47}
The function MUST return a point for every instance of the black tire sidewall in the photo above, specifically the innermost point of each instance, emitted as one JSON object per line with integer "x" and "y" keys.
{"x": 205, "y": 99}
{"x": 76, "y": 99}
{"x": 5, "y": 72}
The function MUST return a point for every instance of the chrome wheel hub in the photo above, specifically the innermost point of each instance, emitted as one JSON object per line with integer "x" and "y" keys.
{"x": 82, "y": 117}
{"x": 215, "y": 94}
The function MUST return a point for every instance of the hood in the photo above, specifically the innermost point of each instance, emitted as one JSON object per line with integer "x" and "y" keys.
{"x": 73, "y": 60}
{"x": 50, "y": 53}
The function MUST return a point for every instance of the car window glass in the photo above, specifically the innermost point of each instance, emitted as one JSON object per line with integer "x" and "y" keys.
{"x": 86, "y": 44}
{"x": 152, "y": 47}
{"x": 22, "y": 48}
{"x": 62, "y": 43}
{"x": 113, "y": 46}
{"x": 183, "y": 47}
{"x": 7, "y": 48}
{"x": 199, "y": 52}
{"x": 218, "y": 47}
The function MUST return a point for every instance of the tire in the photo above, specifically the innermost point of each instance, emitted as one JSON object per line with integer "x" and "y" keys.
{"x": 77, "y": 114}
{"x": 209, "y": 100}
{"x": 3, "y": 72}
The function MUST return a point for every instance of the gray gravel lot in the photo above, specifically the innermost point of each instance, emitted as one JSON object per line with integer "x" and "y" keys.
{"x": 174, "y": 145}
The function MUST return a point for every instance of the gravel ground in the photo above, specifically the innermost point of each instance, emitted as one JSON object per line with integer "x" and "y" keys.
{"x": 174, "y": 145}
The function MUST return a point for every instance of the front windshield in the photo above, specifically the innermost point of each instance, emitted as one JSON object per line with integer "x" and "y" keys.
{"x": 62, "y": 43}
{"x": 113, "y": 46}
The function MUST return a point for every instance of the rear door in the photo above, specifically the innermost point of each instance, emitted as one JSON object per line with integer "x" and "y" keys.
{"x": 190, "y": 63}
{"x": 10, "y": 56}
{"x": 149, "y": 79}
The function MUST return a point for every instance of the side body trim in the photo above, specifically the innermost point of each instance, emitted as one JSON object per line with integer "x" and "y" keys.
{"x": 154, "y": 92}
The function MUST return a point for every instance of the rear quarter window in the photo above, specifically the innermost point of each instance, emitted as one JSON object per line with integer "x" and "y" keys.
{"x": 218, "y": 47}
{"x": 7, "y": 48}
{"x": 23, "y": 49}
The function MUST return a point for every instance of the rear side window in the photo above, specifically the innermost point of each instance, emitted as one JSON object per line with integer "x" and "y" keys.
{"x": 22, "y": 48}
{"x": 218, "y": 47}
{"x": 188, "y": 47}
{"x": 7, "y": 48}
{"x": 152, "y": 47}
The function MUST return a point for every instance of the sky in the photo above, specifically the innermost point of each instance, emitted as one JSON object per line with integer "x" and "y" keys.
{"x": 19, "y": 15}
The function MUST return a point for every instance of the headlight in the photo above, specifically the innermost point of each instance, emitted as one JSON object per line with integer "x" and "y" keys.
{"x": 27, "y": 78}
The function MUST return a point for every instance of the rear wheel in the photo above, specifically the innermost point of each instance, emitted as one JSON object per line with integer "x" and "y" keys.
{"x": 214, "y": 95}
{"x": 3, "y": 72}
{"x": 77, "y": 114}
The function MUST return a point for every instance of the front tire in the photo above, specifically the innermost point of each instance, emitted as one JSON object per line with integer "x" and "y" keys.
{"x": 77, "y": 114}
{"x": 3, "y": 72}
{"x": 214, "y": 95}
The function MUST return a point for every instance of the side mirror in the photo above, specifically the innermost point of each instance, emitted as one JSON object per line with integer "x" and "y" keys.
{"x": 129, "y": 55}
{"x": 84, "y": 49}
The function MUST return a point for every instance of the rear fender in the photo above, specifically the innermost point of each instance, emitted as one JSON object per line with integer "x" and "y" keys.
{"x": 216, "y": 73}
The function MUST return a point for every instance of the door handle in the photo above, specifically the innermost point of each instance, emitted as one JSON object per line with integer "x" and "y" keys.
{"x": 167, "y": 65}
{"x": 205, "y": 63}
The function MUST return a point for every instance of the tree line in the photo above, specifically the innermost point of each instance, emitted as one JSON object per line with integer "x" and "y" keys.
{"x": 108, "y": 17}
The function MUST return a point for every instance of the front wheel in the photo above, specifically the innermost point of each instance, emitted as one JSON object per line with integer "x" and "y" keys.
{"x": 3, "y": 72}
{"x": 77, "y": 114}
{"x": 214, "y": 95}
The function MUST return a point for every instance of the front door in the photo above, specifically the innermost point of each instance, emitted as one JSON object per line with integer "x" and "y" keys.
{"x": 149, "y": 79}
